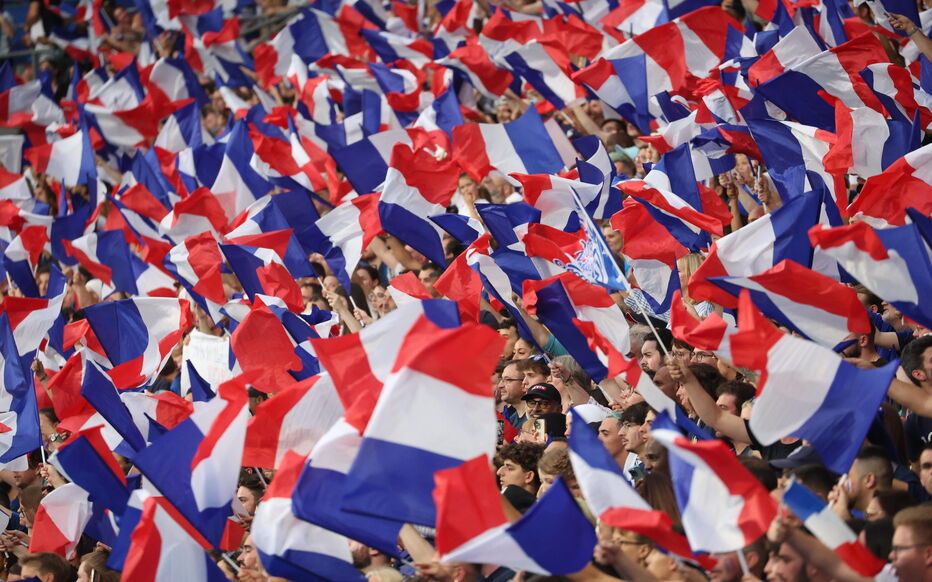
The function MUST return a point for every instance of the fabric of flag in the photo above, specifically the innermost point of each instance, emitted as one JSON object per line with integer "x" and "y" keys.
{"x": 723, "y": 506}
{"x": 807, "y": 390}
{"x": 552, "y": 537}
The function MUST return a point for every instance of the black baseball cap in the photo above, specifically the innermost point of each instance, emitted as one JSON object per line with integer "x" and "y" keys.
{"x": 543, "y": 390}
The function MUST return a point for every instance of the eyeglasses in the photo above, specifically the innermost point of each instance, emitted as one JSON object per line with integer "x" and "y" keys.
{"x": 898, "y": 549}
{"x": 700, "y": 355}
{"x": 59, "y": 436}
{"x": 512, "y": 379}
{"x": 536, "y": 403}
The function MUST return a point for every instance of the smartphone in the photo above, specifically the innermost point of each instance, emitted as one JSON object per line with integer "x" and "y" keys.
{"x": 540, "y": 429}
{"x": 500, "y": 431}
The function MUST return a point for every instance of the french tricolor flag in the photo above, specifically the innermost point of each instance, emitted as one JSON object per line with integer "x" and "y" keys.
{"x": 138, "y": 335}
{"x": 712, "y": 333}
{"x": 60, "y": 520}
{"x": 195, "y": 263}
{"x": 552, "y": 537}
{"x": 867, "y": 143}
{"x": 345, "y": 231}
{"x": 191, "y": 464}
{"x": 293, "y": 548}
{"x": 85, "y": 460}
{"x": 829, "y": 528}
{"x": 559, "y": 300}
{"x": 835, "y": 72}
{"x": 807, "y": 302}
{"x": 474, "y": 62}
{"x": 545, "y": 66}
{"x": 70, "y": 160}
{"x": 294, "y": 419}
{"x": 417, "y": 186}
{"x": 891, "y": 262}
{"x": 883, "y": 200}
{"x": 403, "y": 433}
{"x": 106, "y": 255}
{"x": 365, "y": 162}
{"x": 611, "y": 497}
{"x": 807, "y": 390}
{"x": 19, "y": 426}
{"x": 776, "y": 236}
{"x": 723, "y": 506}
{"x": 521, "y": 146}
{"x": 198, "y": 212}
{"x": 161, "y": 546}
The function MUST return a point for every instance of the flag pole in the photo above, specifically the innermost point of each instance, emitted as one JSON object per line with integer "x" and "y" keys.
{"x": 742, "y": 561}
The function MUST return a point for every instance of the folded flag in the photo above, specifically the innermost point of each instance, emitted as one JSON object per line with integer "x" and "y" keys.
{"x": 891, "y": 262}
{"x": 553, "y": 537}
{"x": 60, "y": 520}
{"x": 830, "y": 529}
{"x": 809, "y": 303}
{"x": 292, "y": 548}
{"x": 807, "y": 390}
{"x": 723, "y": 506}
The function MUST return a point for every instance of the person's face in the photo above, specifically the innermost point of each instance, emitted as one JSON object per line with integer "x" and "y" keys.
{"x": 911, "y": 559}
{"x": 331, "y": 283}
{"x": 428, "y": 277}
{"x": 512, "y": 385}
{"x": 248, "y": 499}
{"x": 874, "y": 511}
{"x": 248, "y": 558}
{"x": 630, "y": 434}
{"x": 42, "y": 282}
{"x": 704, "y": 357}
{"x": 651, "y": 358}
{"x": 47, "y": 427}
{"x": 925, "y": 469}
{"x": 365, "y": 280}
{"x": 467, "y": 186}
{"x": 511, "y": 473}
{"x": 546, "y": 480}
{"x": 653, "y": 457}
{"x": 665, "y": 382}
{"x": 683, "y": 398}
{"x": 23, "y": 479}
{"x": 523, "y": 349}
{"x": 532, "y": 377}
{"x": 614, "y": 239}
{"x": 924, "y": 373}
{"x": 511, "y": 338}
{"x": 628, "y": 542}
{"x": 785, "y": 565}
{"x": 644, "y": 429}
{"x": 538, "y": 406}
{"x": 609, "y": 434}
{"x": 727, "y": 403}
{"x": 726, "y": 569}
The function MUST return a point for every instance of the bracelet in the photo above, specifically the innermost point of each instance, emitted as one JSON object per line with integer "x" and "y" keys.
{"x": 914, "y": 31}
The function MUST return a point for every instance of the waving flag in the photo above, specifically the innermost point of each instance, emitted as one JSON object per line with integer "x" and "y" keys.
{"x": 830, "y": 529}
{"x": 807, "y": 390}
{"x": 19, "y": 421}
{"x": 866, "y": 143}
{"x": 885, "y": 197}
{"x": 891, "y": 262}
{"x": 417, "y": 444}
{"x": 712, "y": 333}
{"x": 757, "y": 247}
{"x": 105, "y": 255}
{"x": 552, "y": 537}
{"x": 521, "y": 146}
{"x": 70, "y": 160}
{"x": 292, "y": 420}
{"x": 85, "y": 460}
{"x": 162, "y": 547}
{"x": 60, "y": 520}
{"x": 137, "y": 335}
{"x": 610, "y": 495}
{"x": 295, "y": 549}
{"x": 417, "y": 186}
{"x": 561, "y": 299}
{"x": 807, "y": 302}
{"x": 191, "y": 464}
{"x": 723, "y": 507}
